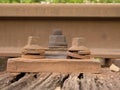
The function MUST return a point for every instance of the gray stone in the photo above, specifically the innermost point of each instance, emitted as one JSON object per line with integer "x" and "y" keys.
{"x": 116, "y": 62}
{"x": 115, "y": 68}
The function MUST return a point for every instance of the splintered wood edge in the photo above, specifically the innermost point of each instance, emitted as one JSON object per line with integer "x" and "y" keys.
{"x": 53, "y": 65}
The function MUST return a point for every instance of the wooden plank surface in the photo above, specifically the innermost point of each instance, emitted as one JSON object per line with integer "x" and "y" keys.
{"x": 53, "y": 65}
{"x": 106, "y": 80}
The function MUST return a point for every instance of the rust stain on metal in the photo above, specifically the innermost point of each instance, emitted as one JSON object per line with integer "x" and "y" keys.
{"x": 53, "y": 65}
{"x": 78, "y": 51}
{"x": 57, "y": 40}
{"x": 32, "y": 49}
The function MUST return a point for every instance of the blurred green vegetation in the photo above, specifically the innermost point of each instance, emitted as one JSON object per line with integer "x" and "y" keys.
{"x": 60, "y": 1}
